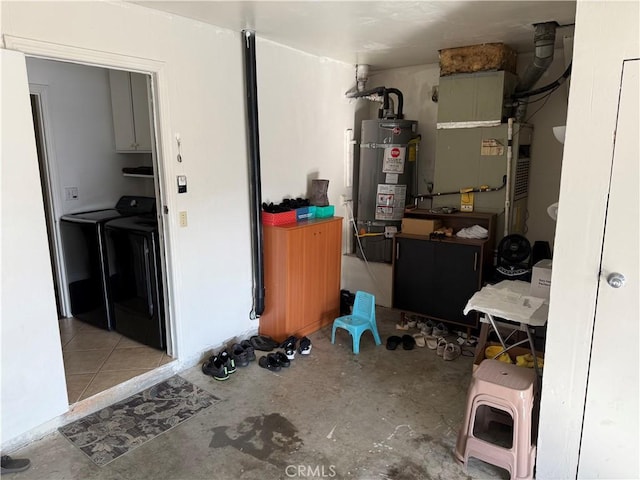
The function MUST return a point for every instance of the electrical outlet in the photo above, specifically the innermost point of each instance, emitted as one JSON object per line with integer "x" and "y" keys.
{"x": 183, "y": 219}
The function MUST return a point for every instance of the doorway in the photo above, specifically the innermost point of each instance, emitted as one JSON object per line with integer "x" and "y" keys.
{"x": 86, "y": 167}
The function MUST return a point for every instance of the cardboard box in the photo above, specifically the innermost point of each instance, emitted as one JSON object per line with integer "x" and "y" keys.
{"x": 513, "y": 353}
{"x": 541, "y": 279}
{"x": 420, "y": 226}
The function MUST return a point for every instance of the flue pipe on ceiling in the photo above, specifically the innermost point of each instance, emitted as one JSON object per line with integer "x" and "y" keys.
{"x": 544, "y": 40}
{"x": 384, "y": 92}
{"x": 362, "y": 76}
{"x": 253, "y": 144}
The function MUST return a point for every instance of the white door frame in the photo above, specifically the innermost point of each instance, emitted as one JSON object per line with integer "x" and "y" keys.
{"x": 53, "y": 194}
{"x": 159, "y": 93}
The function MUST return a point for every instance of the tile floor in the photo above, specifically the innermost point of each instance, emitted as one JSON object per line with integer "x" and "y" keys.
{"x": 96, "y": 359}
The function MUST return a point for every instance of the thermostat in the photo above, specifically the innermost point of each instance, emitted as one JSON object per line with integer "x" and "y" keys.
{"x": 182, "y": 184}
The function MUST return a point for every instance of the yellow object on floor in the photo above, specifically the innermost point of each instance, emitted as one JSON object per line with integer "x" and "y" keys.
{"x": 527, "y": 361}
{"x": 493, "y": 350}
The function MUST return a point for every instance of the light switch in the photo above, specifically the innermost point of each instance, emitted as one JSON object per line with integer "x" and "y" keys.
{"x": 70, "y": 193}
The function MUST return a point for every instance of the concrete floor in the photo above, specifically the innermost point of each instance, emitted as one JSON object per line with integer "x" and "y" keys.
{"x": 378, "y": 415}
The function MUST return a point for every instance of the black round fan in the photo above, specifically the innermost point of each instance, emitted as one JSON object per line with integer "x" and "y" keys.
{"x": 513, "y": 255}
{"x": 514, "y": 249}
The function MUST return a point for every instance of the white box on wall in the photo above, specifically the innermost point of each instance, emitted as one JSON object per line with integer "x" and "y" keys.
{"x": 541, "y": 279}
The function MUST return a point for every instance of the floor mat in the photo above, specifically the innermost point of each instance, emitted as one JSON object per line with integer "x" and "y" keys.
{"x": 113, "y": 431}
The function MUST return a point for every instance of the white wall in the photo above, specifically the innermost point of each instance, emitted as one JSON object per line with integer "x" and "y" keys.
{"x": 201, "y": 98}
{"x": 81, "y": 129}
{"x": 303, "y": 115}
{"x": 606, "y": 33}
{"x": 33, "y": 385}
{"x": 546, "y": 151}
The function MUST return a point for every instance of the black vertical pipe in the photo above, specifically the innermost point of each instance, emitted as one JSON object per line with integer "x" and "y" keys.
{"x": 253, "y": 141}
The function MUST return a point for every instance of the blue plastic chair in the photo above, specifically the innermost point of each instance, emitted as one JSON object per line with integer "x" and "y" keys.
{"x": 362, "y": 318}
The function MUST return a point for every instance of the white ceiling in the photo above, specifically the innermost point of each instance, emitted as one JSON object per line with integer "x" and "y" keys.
{"x": 387, "y": 34}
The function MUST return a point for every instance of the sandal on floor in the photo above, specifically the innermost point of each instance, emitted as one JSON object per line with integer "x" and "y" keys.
{"x": 281, "y": 358}
{"x": 14, "y": 465}
{"x": 431, "y": 341}
{"x": 263, "y": 343}
{"x": 408, "y": 342}
{"x": 393, "y": 341}
{"x": 269, "y": 362}
{"x": 451, "y": 351}
{"x": 420, "y": 339}
{"x": 442, "y": 343}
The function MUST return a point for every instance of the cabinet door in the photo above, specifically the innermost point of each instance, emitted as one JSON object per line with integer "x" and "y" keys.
{"x": 140, "y": 102}
{"x": 130, "y": 107}
{"x": 456, "y": 277}
{"x": 412, "y": 278}
{"x": 436, "y": 279}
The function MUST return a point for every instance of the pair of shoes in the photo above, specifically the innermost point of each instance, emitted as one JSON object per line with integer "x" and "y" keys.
{"x": 440, "y": 330}
{"x": 304, "y": 347}
{"x": 407, "y": 341}
{"x": 427, "y": 328}
{"x": 274, "y": 361}
{"x": 219, "y": 366}
{"x": 451, "y": 351}
{"x": 289, "y": 347}
{"x": 14, "y": 465}
{"x": 263, "y": 343}
{"x": 243, "y": 353}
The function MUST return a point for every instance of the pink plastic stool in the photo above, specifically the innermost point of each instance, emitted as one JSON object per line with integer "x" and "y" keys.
{"x": 506, "y": 392}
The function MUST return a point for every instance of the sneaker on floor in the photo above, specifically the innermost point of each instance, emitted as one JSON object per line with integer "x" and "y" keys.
{"x": 440, "y": 330}
{"x": 14, "y": 465}
{"x": 248, "y": 348}
{"x": 214, "y": 367}
{"x": 289, "y": 347}
{"x": 227, "y": 361}
{"x": 239, "y": 355}
{"x": 451, "y": 351}
{"x": 305, "y": 346}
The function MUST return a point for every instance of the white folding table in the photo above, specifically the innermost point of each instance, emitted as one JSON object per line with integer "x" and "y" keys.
{"x": 509, "y": 300}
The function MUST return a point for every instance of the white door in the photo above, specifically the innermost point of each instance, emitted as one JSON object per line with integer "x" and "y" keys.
{"x": 609, "y": 447}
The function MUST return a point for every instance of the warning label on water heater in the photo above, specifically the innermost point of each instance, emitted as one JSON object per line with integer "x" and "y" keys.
{"x": 390, "y": 200}
{"x": 393, "y": 161}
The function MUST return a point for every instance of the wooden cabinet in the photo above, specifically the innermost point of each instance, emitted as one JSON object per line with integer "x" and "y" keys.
{"x": 302, "y": 277}
{"x": 130, "y": 106}
{"x": 435, "y": 277}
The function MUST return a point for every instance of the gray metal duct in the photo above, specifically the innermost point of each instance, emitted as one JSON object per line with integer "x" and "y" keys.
{"x": 544, "y": 40}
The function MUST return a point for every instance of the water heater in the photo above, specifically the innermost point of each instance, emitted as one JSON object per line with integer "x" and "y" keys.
{"x": 386, "y": 179}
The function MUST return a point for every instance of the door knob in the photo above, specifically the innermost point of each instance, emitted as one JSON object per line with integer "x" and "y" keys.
{"x": 616, "y": 280}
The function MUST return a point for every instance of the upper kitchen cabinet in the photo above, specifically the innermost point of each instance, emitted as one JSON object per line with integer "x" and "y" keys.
{"x": 130, "y": 104}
